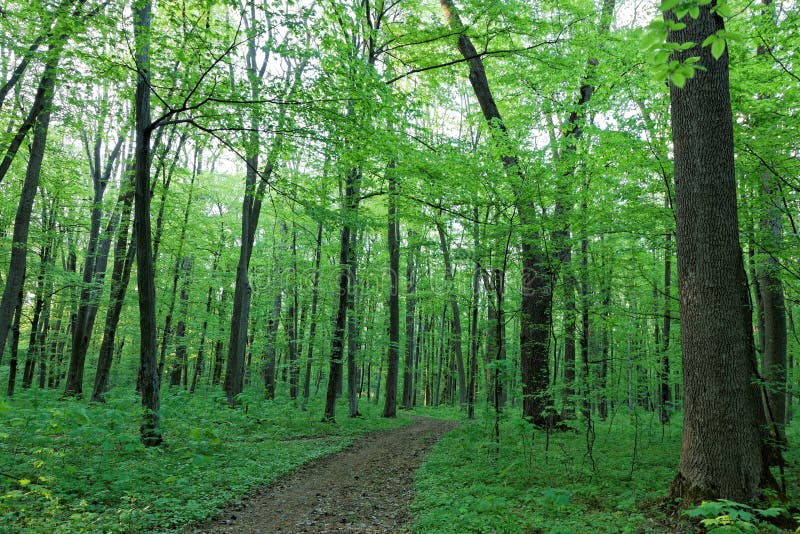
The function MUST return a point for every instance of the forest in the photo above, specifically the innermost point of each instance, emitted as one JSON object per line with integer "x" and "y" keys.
{"x": 399, "y": 266}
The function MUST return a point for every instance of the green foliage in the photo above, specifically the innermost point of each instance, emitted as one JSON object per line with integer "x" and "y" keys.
{"x": 724, "y": 516}
{"x": 69, "y": 467}
{"x": 530, "y": 482}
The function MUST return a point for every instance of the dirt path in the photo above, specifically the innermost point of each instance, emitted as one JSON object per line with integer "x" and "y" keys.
{"x": 366, "y": 488}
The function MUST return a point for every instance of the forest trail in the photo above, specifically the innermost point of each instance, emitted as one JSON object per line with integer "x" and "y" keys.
{"x": 366, "y": 488}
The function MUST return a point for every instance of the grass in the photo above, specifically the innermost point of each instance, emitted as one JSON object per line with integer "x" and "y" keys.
{"x": 71, "y": 467}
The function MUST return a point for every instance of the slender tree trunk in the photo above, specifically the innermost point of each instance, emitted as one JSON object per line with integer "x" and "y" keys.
{"x": 94, "y": 266}
{"x": 350, "y": 206}
{"x": 409, "y": 369}
{"x": 723, "y": 448}
{"x": 473, "y": 324}
{"x": 13, "y": 362}
{"x": 537, "y": 269}
{"x": 180, "y": 366}
{"x": 455, "y": 319}
{"x": 353, "y": 327}
{"x": 19, "y": 242}
{"x": 312, "y": 329}
{"x": 665, "y": 397}
{"x": 585, "y": 323}
{"x": 38, "y": 306}
{"x": 774, "y": 314}
{"x": 292, "y": 320}
{"x": 150, "y": 428}
{"x": 393, "y": 353}
{"x": 200, "y": 362}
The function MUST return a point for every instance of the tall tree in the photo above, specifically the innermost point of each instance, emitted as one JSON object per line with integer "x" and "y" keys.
{"x": 723, "y": 452}
{"x": 145, "y": 273}
{"x": 393, "y": 352}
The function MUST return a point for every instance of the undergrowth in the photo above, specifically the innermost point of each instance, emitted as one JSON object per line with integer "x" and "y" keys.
{"x": 70, "y": 467}
{"x": 529, "y": 482}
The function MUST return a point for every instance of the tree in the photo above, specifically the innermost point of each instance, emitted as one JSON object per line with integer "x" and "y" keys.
{"x": 723, "y": 453}
{"x": 145, "y": 276}
{"x": 393, "y": 356}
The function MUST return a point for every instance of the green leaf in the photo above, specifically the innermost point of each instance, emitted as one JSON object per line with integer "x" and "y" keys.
{"x": 710, "y": 39}
{"x": 666, "y": 5}
{"x": 694, "y": 12}
{"x": 718, "y": 48}
{"x": 678, "y": 79}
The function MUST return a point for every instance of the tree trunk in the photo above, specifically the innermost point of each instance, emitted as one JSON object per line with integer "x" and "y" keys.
{"x": 723, "y": 448}
{"x": 537, "y": 271}
{"x": 393, "y": 353}
{"x": 19, "y": 243}
{"x": 13, "y": 362}
{"x": 312, "y": 329}
{"x": 180, "y": 366}
{"x": 665, "y": 398}
{"x": 150, "y": 431}
{"x": 200, "y": 362}
{"x": 455, "y": 319}
{"x": 94, "y": 266}
{"x": 353, "y": 328}
{"x": 473, "y": 323}
{"x": 409, "y": 369}
{"x": 350, "y": 205}
{"x": 124, "y": 256}
{"x": 292, "y": 320}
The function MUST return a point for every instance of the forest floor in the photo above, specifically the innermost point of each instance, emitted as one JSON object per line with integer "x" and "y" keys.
{"x": 367, "y": 487}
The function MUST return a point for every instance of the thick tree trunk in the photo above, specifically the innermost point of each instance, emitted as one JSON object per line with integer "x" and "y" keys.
{"x": 723, "y": 452}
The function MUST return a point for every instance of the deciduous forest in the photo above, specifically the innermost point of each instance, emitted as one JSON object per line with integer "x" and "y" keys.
{"x": 399, "y": 265}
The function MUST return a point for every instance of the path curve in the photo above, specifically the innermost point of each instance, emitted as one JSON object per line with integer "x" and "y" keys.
{"x": 366, "y": 488}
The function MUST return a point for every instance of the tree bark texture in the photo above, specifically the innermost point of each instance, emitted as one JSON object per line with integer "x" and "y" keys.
{"x": 723, "y": 448}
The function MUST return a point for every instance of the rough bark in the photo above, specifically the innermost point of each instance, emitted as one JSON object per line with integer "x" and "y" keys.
{"x": 723, "y": 452}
